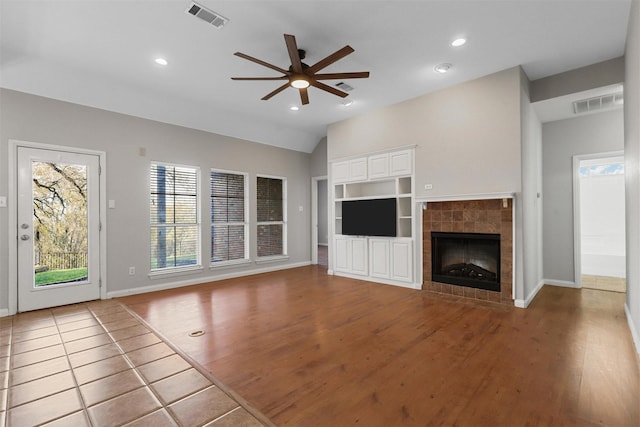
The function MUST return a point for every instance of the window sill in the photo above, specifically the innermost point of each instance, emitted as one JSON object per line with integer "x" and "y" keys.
{"x": 170, "y": 272}
{"x": 228, "y": 264}
{"x": 275, "y": 258}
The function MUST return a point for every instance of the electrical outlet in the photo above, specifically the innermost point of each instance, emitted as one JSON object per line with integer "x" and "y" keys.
{"x": 132, "y": 271}
{"x": 428, "y": 186}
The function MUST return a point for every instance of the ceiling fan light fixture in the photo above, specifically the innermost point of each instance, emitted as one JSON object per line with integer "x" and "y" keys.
{"x": 294, "y": 108}
{"x": 300, "y": 82}
{"x": 442, "y": 68}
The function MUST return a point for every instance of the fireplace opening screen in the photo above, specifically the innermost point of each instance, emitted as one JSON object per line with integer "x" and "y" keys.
{"x": 466, "y": 259}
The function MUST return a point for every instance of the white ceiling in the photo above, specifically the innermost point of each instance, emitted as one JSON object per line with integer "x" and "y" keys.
{"x": 100, "y": 53}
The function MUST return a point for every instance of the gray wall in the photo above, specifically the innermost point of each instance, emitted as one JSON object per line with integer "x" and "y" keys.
{"x": 596, "y": 75}
{"x": 561, "y": 140}
{"x": 42, "y": 120}
{"x": 530, "y": 202}
{"x": 632, "y": 167}
{"x": 319, "y": 159}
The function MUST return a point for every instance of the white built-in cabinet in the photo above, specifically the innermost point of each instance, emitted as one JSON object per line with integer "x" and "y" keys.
{"x": 351, "y": 255}
{"x": 380, "y": 175}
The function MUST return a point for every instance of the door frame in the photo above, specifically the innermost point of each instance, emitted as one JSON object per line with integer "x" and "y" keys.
{"x": 13, "y": 214}
{"x": 577, "y": 241}
{"x": 314, "y": 216}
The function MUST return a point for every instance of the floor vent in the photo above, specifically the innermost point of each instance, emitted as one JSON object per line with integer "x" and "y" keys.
{"x": 207, "y": 15}
{"x": 598, "y": 103}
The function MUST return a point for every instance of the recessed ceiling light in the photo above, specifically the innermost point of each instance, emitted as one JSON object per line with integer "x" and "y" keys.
{"x": 294, "y": 108}
{"x": 442, "y": 68}
{"x": 458, "y": 42}
{"x": 347, "y": 102}
{"x": 161, "y": 61}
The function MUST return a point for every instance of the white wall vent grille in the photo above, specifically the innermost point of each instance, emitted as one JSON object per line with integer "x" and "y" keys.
{"x": 207, "y": 15}
{"x": 343, "y": 86}
{"x": 598, "y": 103}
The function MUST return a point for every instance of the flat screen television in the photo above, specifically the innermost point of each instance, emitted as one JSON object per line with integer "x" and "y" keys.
{"x": 372, "y": 217}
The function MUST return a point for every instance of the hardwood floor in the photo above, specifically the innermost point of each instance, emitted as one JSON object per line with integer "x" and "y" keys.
{"x": 309, "y": 349}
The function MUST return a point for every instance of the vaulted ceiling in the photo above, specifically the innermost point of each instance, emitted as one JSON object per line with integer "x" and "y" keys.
{"x": 101, "y": 53}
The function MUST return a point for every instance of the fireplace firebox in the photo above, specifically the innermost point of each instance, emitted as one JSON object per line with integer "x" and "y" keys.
{"x": 466, "y": 259}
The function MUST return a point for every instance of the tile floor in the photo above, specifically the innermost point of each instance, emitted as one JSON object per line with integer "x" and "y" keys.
{"x": 604, "y": 283}
{"x": 96, "y": 364}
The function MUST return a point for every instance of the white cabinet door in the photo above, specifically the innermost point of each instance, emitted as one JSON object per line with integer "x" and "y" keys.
{"x": 379, "y": 258}
{"x": 341, "y": 259}
{"x": 379, "y": 166}
{"x": 351, "y": 255}
{"x": 359, "y": 256}
{"x": 358, "y": 169}
{"x": 340, "y": 171}
{"x": 401, "y": 163}
{"x": 402, "y": 260}
{"x": 349, "y": 170}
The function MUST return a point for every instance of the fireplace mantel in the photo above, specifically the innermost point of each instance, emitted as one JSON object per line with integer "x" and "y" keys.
{"x": 463, "y": 197}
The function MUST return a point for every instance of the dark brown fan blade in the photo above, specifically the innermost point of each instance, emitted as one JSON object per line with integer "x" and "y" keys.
{"x": 275, "y": 92}
{"x": 335, "y": 56}
{"x": 335, "y": 76}
{"x": 328, "y": 88}
{"x": 294, "y": 55}
{"x": 258, "y": 61}
{"x": 304, "y": 96}
{"x": 260, "y": 78}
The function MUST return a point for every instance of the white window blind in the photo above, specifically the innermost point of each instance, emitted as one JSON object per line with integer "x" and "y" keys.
{"x": 175, "y": 219}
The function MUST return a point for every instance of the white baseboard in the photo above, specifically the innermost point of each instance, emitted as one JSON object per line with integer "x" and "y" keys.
{"x": 561, "y": 283}
{"x": 4, "y": 312}
{"x": 524, "y": 303}
{"x": 196, "y": 281}
{"x": 380, "y": 280}
{"x": 632, "y": 328}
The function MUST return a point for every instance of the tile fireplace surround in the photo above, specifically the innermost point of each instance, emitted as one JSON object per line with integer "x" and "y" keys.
{"x": 471, "y": 216}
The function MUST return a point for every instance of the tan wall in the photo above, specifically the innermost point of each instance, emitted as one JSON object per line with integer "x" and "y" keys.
{"x": 467, "y": 136}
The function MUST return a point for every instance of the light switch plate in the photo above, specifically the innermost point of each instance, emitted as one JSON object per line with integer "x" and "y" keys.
{"x": 3, "y": 201}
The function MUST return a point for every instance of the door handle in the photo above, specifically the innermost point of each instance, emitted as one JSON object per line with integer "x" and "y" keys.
{"x": 24, "y": 237}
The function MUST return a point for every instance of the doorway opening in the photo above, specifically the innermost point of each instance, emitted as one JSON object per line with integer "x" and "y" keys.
{"x": 599, "y": 213}
{"x": 319, "y": 219}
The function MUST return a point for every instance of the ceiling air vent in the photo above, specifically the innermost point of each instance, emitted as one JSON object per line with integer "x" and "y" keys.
{"x": 343, "y": 86}
{"x": 207, "y": 15}
{"x": 598, "y": 103}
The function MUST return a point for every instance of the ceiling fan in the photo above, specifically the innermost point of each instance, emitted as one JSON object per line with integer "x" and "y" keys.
{"x": 300, "y": 75}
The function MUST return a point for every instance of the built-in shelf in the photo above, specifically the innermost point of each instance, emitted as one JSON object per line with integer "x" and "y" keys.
{"x": 390, "y": 188}
{"x": 387, "y": 175}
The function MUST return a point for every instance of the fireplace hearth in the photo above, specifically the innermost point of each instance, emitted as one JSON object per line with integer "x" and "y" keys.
{"x": 466, "y": 259}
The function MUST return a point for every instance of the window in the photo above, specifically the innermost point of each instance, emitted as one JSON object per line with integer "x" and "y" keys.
{"x": 228, "y": 217}
{"x": 175, "y": 217}
{"x": 272, "y": 216}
